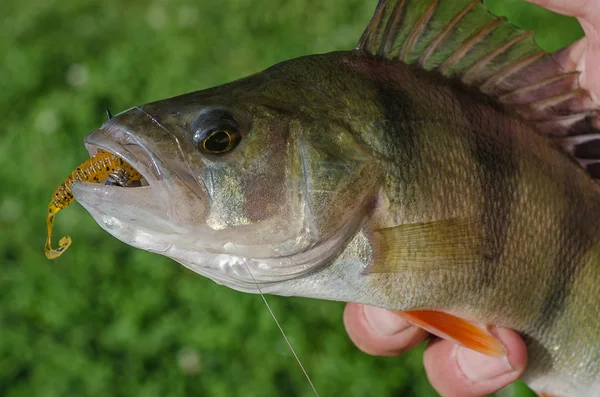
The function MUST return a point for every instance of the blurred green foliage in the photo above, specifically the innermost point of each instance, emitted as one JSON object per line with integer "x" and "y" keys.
{"x": 109, "y": 320}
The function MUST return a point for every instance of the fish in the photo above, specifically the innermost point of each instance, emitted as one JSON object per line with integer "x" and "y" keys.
{"x": 446, "y": 168}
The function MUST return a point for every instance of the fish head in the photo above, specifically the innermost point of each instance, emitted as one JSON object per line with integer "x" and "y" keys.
{"x": 240, "y": 185}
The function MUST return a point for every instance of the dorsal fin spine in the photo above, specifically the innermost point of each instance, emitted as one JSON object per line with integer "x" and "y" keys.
{"x": 439, "y": 39}
{"x": 548, "y": 125}
{"x": 392, "y": 27}
{"x": 417, "y": 31}
{"x": 570, "y": 142}
{"x": 519, "y": 65}
{"x": 556, "y": 100}
{"x": 469, "y": 44}
{"x": 472, "y": 74}
{"x": 368, "y": 36}
{"x": 511, "y": 97}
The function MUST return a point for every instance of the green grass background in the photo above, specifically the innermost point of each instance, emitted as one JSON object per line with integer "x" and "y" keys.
{"x": 109, "y": 320}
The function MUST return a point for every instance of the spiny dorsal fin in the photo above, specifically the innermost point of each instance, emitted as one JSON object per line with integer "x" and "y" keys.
{"x": 461, "y": 39}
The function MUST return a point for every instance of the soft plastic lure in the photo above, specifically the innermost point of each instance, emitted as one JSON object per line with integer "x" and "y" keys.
{"x": 96, "y": 169}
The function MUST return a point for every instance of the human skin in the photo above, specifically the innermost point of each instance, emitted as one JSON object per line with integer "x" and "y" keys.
{"x": 455, "y": 371}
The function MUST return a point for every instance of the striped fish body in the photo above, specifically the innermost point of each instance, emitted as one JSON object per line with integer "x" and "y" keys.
{"x": 530, "y": 259}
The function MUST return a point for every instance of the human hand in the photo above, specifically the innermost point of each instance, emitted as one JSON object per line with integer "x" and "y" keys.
{"x": 452, "y": 370}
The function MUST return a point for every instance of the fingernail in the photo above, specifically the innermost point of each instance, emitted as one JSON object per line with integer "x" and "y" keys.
{"x": 383, "y": 321}
{"x": 478, "y": 367}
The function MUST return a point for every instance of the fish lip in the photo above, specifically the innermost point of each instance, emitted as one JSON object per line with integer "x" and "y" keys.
{"x": 110, "y": 144}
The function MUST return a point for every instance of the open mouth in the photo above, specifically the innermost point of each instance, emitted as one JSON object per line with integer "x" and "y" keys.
{"x": 120, "y": 164}
{"x": 113, "y": 170}
{"x": 126, "y": 188}
{"x": 116, "y": 175}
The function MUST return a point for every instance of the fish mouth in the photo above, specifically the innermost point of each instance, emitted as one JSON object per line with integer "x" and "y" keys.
{"x": 116, "y": 138}
{"x": 117, "y": 192}
{"x": 139, "y": 213}
{"x": 140, "y": 161}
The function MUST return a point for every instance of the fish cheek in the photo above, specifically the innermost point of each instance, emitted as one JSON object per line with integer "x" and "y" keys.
{"x": 267, "y": 193}
{"x": 249, "y": 186}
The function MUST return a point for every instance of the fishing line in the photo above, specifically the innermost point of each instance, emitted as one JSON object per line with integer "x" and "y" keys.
{"x": 278, "y": 325}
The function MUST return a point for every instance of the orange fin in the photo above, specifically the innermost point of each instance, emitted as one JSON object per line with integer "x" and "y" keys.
{"x": 545, "y": 395}
{"x": 456, "y": 329}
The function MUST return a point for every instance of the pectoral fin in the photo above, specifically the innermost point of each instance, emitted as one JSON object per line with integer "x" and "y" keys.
{"x": 428, "y": 246}
{"x": 455, "y": 329}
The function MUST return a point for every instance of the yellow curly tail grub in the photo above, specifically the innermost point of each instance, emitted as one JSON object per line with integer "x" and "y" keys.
{"x": 95, "y": 169}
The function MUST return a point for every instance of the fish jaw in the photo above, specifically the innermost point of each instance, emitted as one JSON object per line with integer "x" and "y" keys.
{"x": 149, "y": 217}
{"x": 171, "y": 203}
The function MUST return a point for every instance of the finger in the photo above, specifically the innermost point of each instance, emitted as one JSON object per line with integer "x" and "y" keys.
{"x": 380, "y": 332}
{"x": 581, "y": 9}
{"x": 455, "y": 371}
{"x": 585, "y": 54}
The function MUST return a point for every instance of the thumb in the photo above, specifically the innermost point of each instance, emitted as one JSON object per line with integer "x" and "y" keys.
{"x": 457, "y": 371}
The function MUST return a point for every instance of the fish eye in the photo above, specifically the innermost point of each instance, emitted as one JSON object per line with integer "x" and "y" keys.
{"x": 215, "y": 132}
{"x": 219, "y": 141}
